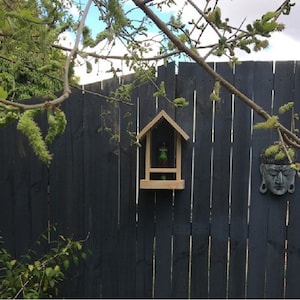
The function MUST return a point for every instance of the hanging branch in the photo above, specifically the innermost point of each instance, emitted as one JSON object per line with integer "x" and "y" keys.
{"x": 217, "y": 77}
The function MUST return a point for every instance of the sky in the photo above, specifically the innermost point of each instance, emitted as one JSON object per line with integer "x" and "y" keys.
{"x": 283, "y": 45}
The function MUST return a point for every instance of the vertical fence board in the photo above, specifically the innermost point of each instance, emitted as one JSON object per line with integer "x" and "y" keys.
{"x": 163, "y": 232}
{"x": 66, "y": 186}
{"x": 127, "y": 222}
{"x": 283, "y": 92}
{"x": 182, "y": 205}
{"x": 220, "y": 196}
{"x": 166, "y": 74}
{"x": 7, "y": 171}
{"x": 39, "y": 191}
{"x": 21, "y": 195}
{"x": 95, "y": 186}
{"x": 108, "y": 179}
{"x": 146, "y": 205}
{"x": 164, "y": 202}
{"x": 202, "y": 182}
{"x": 293, "y": 266}
{"x": 263, "y": 85}
{"x": 240, "y": 182}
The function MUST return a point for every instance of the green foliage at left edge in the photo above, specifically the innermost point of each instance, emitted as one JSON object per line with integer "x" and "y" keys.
{"x": 38, "y": 273}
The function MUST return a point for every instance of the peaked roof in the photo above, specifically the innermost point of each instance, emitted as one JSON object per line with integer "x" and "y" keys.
{"x": 157, "y": 118}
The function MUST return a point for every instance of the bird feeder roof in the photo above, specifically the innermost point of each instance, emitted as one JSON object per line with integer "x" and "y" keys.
{"x": 158, "y": 118}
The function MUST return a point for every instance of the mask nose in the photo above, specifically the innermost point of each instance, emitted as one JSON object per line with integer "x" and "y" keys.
{"x": 279, "y": 180}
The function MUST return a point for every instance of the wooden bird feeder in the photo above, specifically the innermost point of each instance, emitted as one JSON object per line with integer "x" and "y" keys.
{"x": 162, "y": 153}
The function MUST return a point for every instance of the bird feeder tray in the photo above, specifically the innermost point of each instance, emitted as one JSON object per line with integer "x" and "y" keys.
{"x": 168, "y": 177}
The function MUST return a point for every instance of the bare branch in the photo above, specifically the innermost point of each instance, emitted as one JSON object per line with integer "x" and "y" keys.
{"x": 200, "y": 61}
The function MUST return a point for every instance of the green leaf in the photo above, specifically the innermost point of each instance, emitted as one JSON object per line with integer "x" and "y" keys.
{"x": 161, "y": 92}
{"x": 268, "y": 16}
{"x": 66, "y": 264}
{"x": 49, "y": 272}
{"x": 3, "y": 93}
{"x": 30, "y": 267}
{"x": 180, "y": 102}
{"x": 89, "y": 67}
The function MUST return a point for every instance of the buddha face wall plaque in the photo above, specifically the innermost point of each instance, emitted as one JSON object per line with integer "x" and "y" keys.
{"x": 277, "y": 178}
{"x": 277, "y": 175}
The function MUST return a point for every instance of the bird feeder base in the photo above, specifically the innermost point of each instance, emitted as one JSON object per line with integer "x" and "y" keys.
{"x": 162, "y": 184}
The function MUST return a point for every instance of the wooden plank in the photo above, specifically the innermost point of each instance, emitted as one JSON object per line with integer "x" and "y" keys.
{"x": 7, "y": 172}
{"x": 166, "y": 73}
{"x": 182, "y": 202}
{"x": 20, "y": 186}
{"x": 202, "y": 178}
{"x": 39, "y": 206}
{"x": 243, "y": 80}
{"x": 283, "y": 92}
{"x": 109, "y": 196}
{"x": 220, "y": 193}
{"x": 127, "y": 201}
{"x": 164, "y": 204}
{"x": 66, "y": 189}
{"x": 293, "y": 263}
{"x": 258, "y": 219}
{"x": 162, "y": 184}
{"x": 145, "y": 205}
{"x": 95, "y": 185}
{"x": 163, "y": 237}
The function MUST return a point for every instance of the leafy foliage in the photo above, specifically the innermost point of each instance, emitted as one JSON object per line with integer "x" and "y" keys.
{"x": 28, "y": 65}
{"x": 280, "y": 150}
{"x": 35, "y": 276}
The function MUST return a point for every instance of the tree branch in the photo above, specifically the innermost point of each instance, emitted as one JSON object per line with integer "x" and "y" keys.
{"x": 200, "y": 61}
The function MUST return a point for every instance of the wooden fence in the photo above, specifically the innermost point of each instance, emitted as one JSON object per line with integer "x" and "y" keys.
{"x": 218, "y": 238}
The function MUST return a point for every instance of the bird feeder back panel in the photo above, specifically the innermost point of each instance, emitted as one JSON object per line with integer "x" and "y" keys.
{"x": 162, "y": 134}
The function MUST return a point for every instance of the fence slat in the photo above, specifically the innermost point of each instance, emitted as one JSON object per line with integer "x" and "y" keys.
{"x": 66, "y": 185}
{"x": 202, "y": 182}
{"x": 7, "y": 170}
{"x": 182, "y": 205}
{"x": 263, "y": 85}
{"x": 108, "y": 168}
{"x": 164, "y": 202}
{"x": 220, "y": 196}
{"x": 127, "y": 205}
{"x": 240, "y": 182}
{"x": 283, "y": 90}
{"x": 146, "y": 206}
{"x": 293, "y": 266}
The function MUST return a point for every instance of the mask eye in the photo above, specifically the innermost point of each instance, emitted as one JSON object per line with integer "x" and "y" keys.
{"x": 287, "y": 172}
{"x": 273, "y": 172}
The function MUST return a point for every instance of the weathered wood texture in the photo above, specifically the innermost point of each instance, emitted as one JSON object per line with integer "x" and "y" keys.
{"x": 217, "y": 238}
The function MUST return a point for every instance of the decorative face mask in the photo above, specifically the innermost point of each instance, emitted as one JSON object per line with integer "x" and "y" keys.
{"x": 277, "y": 178}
